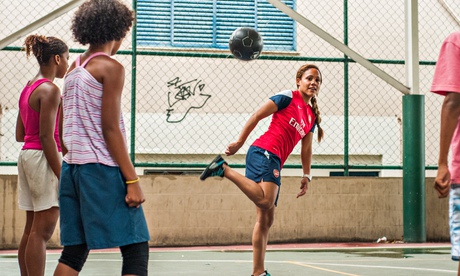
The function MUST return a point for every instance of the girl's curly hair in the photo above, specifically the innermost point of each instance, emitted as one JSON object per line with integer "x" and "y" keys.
{"x": 97, "y": 22}
{"x": 43, "y": 48}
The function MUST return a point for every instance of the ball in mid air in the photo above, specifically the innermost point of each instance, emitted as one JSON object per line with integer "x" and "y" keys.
{"x": 245, "y": 44}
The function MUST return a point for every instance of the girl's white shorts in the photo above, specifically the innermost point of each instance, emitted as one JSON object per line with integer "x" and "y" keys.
{"x": 38, "y": 186}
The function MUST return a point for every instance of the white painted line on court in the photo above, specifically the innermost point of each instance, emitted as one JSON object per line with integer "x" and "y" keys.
{"x": 323, "y": 269}
{"x": 291, "y": 262}
{"x": 385, "y": 267}
{"x": 313, "y": 265}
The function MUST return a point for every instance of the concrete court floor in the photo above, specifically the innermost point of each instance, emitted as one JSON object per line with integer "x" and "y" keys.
{"x": 281, "y": 260}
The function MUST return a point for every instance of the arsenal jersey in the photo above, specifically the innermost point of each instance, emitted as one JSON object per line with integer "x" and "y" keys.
{"x": 293, "y": 120}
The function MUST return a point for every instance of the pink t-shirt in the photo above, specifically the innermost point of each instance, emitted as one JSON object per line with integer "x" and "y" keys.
{"x": 31, "y": 119}
{"x": 447, "y": 79}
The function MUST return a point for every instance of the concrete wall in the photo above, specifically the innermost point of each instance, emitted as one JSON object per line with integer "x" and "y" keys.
{"x": 182, "y": 210}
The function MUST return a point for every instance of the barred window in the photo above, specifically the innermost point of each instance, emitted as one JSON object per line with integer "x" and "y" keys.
{"x": 209, "y": 23}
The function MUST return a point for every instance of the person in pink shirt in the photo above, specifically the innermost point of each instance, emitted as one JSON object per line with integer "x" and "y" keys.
{"x": 446, "y": 82}
{"x": 294, "y": 117}
{"x": 39, "y": 162}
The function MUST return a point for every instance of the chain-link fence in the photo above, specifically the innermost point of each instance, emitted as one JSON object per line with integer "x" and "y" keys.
{"x": 186, "y": 97}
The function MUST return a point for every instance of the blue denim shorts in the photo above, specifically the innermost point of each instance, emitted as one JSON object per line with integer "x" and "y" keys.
{"x": 93, "y": 208}
{"x": 263, "y": 165}
{"x": 454, "y": 220}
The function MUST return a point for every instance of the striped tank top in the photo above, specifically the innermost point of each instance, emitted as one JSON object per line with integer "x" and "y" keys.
{"x": 82, "y": 127}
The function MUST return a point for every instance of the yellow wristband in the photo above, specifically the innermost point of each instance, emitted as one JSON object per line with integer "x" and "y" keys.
{"x": 132, "y": 181}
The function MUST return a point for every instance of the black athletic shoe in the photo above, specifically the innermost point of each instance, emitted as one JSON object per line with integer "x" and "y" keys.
{"x": 215, "y": 168}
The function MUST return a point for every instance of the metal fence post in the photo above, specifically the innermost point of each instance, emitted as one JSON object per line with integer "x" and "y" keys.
{"x": 414, "y": 215}
{"x": 133, "y": 88}
{"x": 346, "y": 97}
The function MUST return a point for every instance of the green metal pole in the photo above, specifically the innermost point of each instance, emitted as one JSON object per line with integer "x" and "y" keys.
{"x": 133, "y": 87}
{"x": 414, "y": 168}
{"x": 346, "y": 141}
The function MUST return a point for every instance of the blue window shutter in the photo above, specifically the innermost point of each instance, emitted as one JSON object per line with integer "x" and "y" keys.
{"x": 276, "y": 28}
{"x": 193, "y": 23}
{"x": 154, "y": 23}
{"x": 231, "y": 15}
{"x": 209, "y": 23}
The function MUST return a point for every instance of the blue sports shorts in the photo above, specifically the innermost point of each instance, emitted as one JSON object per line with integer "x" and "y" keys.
{"x": 93, "y": 208}
{"x": 263, "y": 165}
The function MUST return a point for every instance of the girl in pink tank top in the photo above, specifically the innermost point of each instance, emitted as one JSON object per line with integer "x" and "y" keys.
{"x": 37, "y": 127}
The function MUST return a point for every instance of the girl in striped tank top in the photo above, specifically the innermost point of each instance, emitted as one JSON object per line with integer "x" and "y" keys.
{"x": 100, "y": 193}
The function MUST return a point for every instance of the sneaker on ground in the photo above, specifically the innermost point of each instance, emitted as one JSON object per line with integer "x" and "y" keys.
{"x": 215, "y": 168}
{"x": 264, "y": 274}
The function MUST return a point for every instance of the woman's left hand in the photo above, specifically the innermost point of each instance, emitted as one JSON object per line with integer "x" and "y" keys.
{"x": 134, "y": 196}
{"x": 303, "y": 187}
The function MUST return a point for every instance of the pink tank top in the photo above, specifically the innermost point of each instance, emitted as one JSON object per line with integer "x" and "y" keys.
{"x": 31, "y": 119}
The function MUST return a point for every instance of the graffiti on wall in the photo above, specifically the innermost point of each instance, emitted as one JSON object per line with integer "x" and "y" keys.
{"x": 184, "y": 96}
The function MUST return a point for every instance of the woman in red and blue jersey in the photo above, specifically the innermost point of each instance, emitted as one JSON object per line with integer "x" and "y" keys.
{"x": 295, "y": 114}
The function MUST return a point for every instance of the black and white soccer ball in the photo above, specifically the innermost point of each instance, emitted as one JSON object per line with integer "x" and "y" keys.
{"x": 246, "y": 44}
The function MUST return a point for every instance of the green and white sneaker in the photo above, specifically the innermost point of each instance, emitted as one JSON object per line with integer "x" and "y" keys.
{"x": 215, "y": 168}
{"x": 264, "y": 274}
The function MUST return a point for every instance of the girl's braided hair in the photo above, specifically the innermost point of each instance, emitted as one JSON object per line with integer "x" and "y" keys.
{"x": 314, "y": 101}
